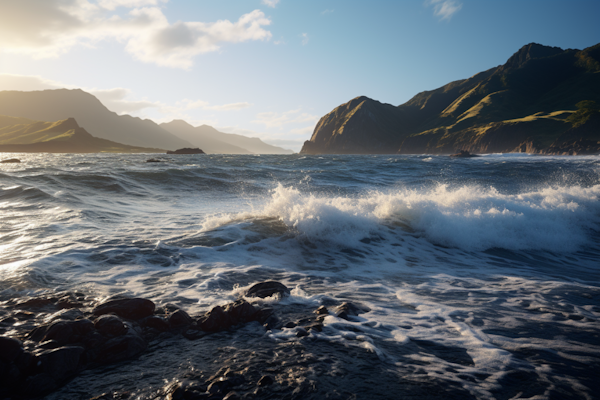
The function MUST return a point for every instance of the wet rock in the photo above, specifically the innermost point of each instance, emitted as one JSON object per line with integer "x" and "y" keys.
{"x": 62, "y": 363}
{"x": 193, "y": 333}
{"x": 121, "y": 348}
{"x": 265, "y": 380}
{"x": 65, "y": 332}
{"x": 186, "y": 390}
{"x": 110, "y": 325}
{"x": 39, "y": 384}
{"x": 346, "y": 309}
{"x": 68, "y": 301}
{"x": 10, "y": 349}
{"x": 301, "y": 332}
{"x": 316, "y": 326}
{"x": 263, "y": 315}
{"x": 180, "y": 319}
{"x": 36, "y": 302}
{"x": 153, "y": 160}
{"x": 266, "y": 289}
{"x": 26, "y": 362}
{"x": 59, "y": 331}
{"x": 10, "y": 161}
{"x": 241, "y": 311}
{"x": 215, "y": 320}
{"x": 65, "y": 314}
{"x": 322, "y": 311}
{"x": 136, "y": 308}
{"x": 155, "y": 322}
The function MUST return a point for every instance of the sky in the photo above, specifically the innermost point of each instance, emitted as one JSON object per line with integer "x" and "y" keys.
{"x": 270, "y": 68}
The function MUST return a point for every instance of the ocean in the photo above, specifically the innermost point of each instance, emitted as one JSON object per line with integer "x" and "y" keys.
{"x": 476, "y": 278}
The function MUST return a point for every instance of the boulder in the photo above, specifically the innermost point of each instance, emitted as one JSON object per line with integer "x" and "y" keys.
{"x": 215, "y": 320}
{"x": 62, "y": 363}
{"x": 155, "y": 322}
{"x": 179, "y": 319}
{"x": 346, "y": 309}
{"x": 241, "y": 311}
{"x": 121, "y": 348}
{"x": 136, "y": 308}
{"x": 10, "y": 349}
{"x": 268, "y": 288}
{"x": 110, "y": 325}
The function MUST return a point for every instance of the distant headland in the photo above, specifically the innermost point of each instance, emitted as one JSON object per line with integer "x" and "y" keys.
{"x": 543, "y": 100}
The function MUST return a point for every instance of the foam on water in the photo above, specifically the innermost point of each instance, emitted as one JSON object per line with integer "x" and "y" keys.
{"x": 467, "y": 280}
{"x": 469, "y": 217}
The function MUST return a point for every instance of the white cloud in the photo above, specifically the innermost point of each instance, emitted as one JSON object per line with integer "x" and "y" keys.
{"x": 272, "y": 119}
{"x": 444, "y": 9}
{"x": 305, "y": 39}
{"x": 113, "y": 4}
{"x": 49, "y": 28}
{"x": 325, "y": 12}
{"x": 270, "y": 3}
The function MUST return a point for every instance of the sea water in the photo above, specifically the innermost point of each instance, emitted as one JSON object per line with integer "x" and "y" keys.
{"x": 482, "y": 275}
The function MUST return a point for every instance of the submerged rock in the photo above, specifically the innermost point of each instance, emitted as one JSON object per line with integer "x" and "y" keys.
{"x": 347, "y": 309}
{"x": 267, "y": 289}
{"x": 464, "y": 153}
{"x": 136, "y": 308}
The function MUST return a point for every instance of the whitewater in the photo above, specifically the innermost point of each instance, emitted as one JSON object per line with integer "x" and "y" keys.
{"x": 479, "y": 278}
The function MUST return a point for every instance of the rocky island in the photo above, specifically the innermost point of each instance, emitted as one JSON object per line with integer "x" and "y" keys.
{"x": 186, "y": 150}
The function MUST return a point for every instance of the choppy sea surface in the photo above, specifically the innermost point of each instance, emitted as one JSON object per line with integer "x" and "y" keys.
{"x": 482, "y": 275}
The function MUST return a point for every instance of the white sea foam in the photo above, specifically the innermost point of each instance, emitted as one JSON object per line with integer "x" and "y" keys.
{"x": 470, "y": 217}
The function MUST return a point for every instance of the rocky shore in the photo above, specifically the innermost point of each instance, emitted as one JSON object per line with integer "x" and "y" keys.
{"x": 48, "y": 340}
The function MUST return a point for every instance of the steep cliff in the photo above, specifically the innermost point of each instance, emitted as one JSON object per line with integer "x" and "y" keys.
{"x": 522, "y": 105}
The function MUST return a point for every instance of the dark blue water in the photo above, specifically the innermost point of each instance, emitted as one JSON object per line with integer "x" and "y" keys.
{"x": 482, "y": 275}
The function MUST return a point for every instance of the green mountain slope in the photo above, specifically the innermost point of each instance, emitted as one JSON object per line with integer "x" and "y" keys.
{"x": 522, "y": 105}
{"x": 65, "y": 136}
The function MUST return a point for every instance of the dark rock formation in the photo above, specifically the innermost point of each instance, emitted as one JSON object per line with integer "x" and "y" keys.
{"x": 186, "y": 150}
{"x": 127, "y": 308}
{"x": 10, "y": 160}
{"x": 266, "y": 289}
{"x": 464, "y": 154}
{"x": 523, "y": 104}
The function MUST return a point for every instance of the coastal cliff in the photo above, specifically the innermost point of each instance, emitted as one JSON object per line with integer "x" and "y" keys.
{"x": 525, "y": 105}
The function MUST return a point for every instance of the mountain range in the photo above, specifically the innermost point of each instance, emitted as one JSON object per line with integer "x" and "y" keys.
{"x": 529, "y": 104}
{"x": 126, "y": 132}
{"x": 66, "y": 136}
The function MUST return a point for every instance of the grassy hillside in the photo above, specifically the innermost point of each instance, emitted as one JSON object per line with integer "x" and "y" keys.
{"x": 64, "y": 136}
{"x": 527, "y": 104}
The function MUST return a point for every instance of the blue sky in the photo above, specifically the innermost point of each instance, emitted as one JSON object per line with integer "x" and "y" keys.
{"x": 269, "y": 68}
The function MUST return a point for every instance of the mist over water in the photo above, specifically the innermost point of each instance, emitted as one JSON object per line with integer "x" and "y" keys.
{"x": 482, "y": 275}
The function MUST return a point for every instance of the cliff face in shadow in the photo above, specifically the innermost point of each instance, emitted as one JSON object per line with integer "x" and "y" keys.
{"x": 523, "y": 105}
{"x": 65, "y": 136}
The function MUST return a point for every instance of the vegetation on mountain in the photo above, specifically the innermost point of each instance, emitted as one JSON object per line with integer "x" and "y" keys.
{"x": 527, "y": 104}
{"x": 65, "y": 136}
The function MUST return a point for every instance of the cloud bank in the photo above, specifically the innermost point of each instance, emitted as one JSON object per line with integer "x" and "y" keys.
{"x": 49, "y": 28}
